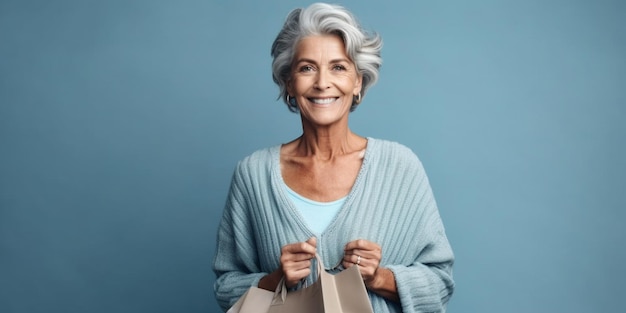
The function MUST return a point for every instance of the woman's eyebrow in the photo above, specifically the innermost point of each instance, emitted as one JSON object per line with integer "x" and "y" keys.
{"x": 340, "y": 60}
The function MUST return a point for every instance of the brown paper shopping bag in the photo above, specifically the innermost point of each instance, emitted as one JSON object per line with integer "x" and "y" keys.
{"x": 340, "y": 293}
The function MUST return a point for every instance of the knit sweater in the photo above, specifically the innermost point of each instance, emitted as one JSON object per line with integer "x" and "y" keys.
{"x": 391, "y": 204}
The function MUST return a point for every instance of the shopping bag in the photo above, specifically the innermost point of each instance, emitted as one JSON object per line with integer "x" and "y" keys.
{"x": 340, "y": 293}
{"x": 254, "y": 300}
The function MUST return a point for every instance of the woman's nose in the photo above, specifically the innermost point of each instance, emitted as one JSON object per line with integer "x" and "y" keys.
{"x": 323, "y": 80}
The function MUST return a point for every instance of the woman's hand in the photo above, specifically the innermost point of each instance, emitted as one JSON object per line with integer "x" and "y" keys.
{"x": 367, "y": 255}
{"x": 364, "y": 254}
{"x": 295, "y": 260}
{"x": 295, "y": 264}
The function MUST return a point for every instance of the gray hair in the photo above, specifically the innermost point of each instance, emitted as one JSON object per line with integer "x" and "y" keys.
{"x": 325, "y": 19}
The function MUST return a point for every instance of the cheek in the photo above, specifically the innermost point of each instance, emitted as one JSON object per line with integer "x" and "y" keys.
{"x": 298, "y": 86}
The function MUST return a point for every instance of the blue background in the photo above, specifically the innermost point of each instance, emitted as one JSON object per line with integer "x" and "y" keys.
{"x": 121, "y": 123}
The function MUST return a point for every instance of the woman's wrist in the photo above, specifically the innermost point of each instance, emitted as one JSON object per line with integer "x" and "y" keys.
{"x": 270, "y": 281}
{"x": 384, "y": 284}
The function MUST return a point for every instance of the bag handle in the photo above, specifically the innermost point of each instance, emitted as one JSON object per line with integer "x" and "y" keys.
{"x": 280, "y": 294}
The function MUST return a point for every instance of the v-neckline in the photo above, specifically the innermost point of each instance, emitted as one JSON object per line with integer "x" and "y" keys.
{"x": 280, "y": 193}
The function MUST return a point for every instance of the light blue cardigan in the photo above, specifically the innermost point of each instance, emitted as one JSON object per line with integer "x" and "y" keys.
{"x": 391, "y": 203}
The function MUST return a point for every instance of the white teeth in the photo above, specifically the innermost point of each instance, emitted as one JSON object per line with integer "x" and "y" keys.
{"x": 323, "y": 101}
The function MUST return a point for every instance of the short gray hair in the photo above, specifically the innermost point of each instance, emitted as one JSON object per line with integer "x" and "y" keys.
{"x": 325, "y": 19}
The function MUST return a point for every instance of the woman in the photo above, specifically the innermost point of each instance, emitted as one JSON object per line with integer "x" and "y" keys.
{"x": 355, "y": 201}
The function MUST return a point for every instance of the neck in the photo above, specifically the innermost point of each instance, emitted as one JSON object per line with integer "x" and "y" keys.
{"x": 329, "y": 141}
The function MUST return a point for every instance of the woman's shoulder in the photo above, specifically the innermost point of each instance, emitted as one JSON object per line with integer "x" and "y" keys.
{"x": 388, "y": 149}
{"x": 262, "y": 154}
{"x": 390, "y": 157}
{"x": 262, "y": 158}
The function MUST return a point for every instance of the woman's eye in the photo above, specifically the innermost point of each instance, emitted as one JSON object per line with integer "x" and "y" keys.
{"x": 306, "y": 68}
{"x": 339, "y": 67}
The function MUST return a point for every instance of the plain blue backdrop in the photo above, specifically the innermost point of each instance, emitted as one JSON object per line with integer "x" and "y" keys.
{"x": 121, "y": 122}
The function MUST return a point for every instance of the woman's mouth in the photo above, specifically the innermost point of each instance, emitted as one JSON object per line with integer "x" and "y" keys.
{"x": 323, "y": 100}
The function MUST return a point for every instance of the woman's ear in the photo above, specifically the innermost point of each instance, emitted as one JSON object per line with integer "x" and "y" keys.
{"x": 289, "y": 87}
{"x": 358, "y": 86}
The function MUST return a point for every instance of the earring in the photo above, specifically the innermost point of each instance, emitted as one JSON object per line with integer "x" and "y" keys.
{"x": 358, "y": 98}
{"x": 291, "y": 101}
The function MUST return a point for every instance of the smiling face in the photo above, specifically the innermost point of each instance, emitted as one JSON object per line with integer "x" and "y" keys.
{"x": 324, "y": 81}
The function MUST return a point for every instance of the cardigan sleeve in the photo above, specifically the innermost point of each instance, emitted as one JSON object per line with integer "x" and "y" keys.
{"x": 426, "y": 285}
{"x": 235, "y": 260}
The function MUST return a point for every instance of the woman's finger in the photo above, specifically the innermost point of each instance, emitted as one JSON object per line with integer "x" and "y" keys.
{"x": 363, "y": 245}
